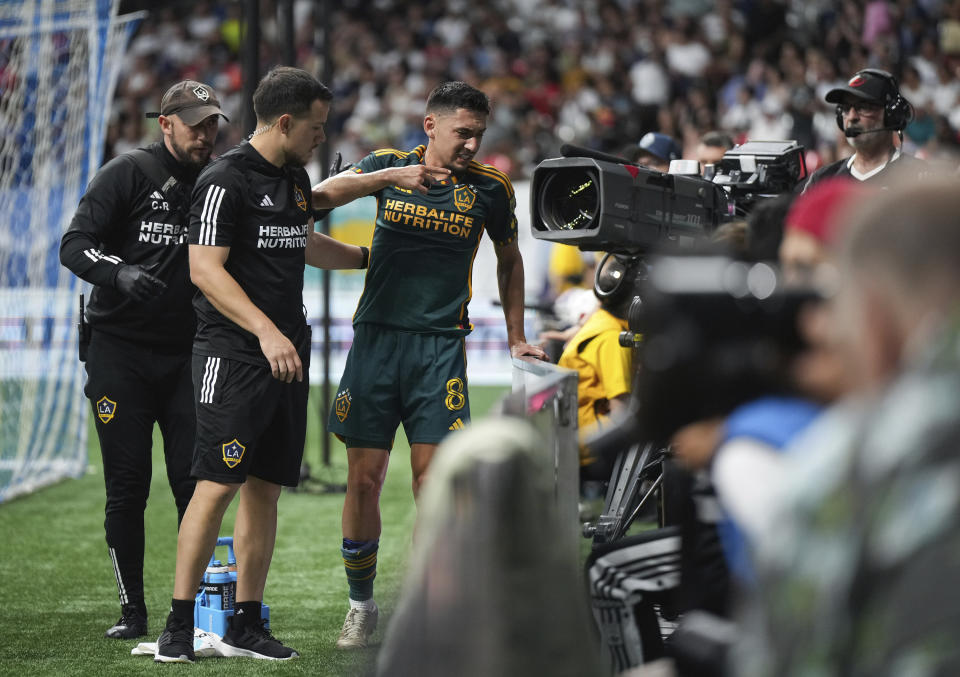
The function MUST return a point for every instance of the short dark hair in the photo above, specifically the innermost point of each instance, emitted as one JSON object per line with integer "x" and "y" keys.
{"x": 449, "y": 96}
{"x": 287, "y": 90}
{"x": 717, "y": 139}
{"x": 765, "y": 227}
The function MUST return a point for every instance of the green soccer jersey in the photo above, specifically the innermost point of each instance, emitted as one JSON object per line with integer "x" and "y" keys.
{"x": 421, "y": 259}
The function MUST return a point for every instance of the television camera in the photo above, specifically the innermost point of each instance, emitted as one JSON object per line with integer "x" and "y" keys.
{"x": 600, "y": 202}
{"x": 709, "y": 342}
{"x": 709, "y": 333}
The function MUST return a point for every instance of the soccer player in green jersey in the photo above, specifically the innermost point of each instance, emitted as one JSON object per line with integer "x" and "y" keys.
{"x": 407, "y": 363}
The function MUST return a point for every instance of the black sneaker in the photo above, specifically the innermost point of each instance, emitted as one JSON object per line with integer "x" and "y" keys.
{"x": 176, "y": 642}
{"x": 254, "y": 641}
{"x": 132, "y": 623}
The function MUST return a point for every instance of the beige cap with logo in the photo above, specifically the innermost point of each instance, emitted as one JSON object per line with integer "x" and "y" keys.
{"x": 191, "y": 101}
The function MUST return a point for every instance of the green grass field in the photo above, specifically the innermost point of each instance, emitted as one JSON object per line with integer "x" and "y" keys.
{"x": 58, "y": 594}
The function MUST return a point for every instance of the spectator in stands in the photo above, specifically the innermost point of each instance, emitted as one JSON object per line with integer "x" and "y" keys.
{"x": 656, "y": 151}
{"x": 870, "y": 109}
{"x": 712, "y": 146}
{"x": 618, "y": 52}
{"x": 867, "y": 531}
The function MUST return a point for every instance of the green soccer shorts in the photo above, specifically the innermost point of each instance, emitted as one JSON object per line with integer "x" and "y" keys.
{"x": 394, "y": 377}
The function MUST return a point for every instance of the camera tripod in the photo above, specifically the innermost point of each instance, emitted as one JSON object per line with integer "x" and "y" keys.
{"x": 636, "y": 483}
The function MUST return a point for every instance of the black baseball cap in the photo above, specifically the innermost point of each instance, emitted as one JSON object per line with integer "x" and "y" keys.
{"x": 191, "y": 101}
{"x": 869, "y": 85}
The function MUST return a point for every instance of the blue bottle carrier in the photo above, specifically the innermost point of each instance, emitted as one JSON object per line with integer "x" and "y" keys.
{"x": 214, "y": 604}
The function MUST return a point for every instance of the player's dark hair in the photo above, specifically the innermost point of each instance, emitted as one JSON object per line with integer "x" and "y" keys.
{"x": 449, "y": 96}
{"x": 287, "y": 90}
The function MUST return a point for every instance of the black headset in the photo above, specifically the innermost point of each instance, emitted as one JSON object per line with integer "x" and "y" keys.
{"x": 897, "y": 111}
{"x": 617, "y": 283}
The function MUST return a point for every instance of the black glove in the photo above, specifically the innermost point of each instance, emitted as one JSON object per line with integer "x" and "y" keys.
{"x": 138, "y": 284}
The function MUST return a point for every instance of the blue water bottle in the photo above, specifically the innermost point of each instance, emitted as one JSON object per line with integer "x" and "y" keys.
{"x": 230, "y": 588}
{"x": 218, "y": 586}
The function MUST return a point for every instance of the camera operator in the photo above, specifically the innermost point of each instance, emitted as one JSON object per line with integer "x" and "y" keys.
{"x": 869, "y": 110}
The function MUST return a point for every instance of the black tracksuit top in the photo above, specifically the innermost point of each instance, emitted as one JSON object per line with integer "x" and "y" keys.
{"x": 125, "y": 218}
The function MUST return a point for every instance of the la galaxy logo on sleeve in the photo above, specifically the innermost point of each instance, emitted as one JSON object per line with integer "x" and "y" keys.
{"x": 106, "y": 408}
{"x": 299, "y": 198}
{"x": 233, "y": 453}
{"x": 342, "y": 404}
{"x": 464, "y": 197}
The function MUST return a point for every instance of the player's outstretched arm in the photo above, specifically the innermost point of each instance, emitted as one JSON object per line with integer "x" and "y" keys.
{"x": 510, "y": 284}
{"x": 348, "y": 186}
{"x": 207, "y": 272}
{"x": 325, "y": 252}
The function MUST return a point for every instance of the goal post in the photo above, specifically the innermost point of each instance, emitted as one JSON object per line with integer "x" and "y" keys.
{"x": 59, "y": 64}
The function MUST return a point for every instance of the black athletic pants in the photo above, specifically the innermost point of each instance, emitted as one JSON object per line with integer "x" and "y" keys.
{"x": 130, "y": 388}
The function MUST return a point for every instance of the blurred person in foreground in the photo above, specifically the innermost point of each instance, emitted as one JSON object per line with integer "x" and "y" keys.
{"x": 870, "y": 112}
{"x": 407, "y": 363}
{"x": 744, "y": 451}
{"x": 129, "y": 239}
{"x": 251, "y": 232}
{"x": 858, "y": 570}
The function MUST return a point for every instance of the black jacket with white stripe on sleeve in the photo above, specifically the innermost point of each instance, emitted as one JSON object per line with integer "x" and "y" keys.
{"x": 124, "y": 218}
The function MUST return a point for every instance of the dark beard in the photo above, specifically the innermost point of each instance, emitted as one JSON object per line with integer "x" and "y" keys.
{"x": 183, "y": 157}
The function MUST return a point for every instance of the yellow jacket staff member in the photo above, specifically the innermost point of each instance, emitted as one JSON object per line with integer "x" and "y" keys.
{"x": 604, "y": 367}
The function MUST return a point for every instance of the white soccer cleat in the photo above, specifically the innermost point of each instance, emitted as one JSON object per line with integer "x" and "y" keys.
{"x": 357, "y": 628}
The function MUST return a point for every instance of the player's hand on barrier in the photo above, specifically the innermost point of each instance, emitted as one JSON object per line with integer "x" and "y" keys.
{"x": 284, "y": 361}
{"x": 138, "y": 284}
{"x": 419, "y": 177}
{"x": 521, "y": 349}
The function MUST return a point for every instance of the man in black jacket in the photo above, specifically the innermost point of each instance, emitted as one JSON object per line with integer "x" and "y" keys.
{"x": 129, "y": 239}
{"x": 870, "y": 111}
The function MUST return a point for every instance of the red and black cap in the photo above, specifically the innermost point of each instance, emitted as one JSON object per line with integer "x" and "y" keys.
{"x": 869, "y": 85}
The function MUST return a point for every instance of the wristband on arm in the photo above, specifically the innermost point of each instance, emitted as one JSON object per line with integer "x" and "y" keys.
{"x": 366, "y": 256}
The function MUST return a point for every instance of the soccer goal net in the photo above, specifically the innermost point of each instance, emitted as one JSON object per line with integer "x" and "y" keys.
{"x": 59, "y": 62}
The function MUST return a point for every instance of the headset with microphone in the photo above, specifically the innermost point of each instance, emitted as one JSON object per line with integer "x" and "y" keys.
{"x": 897, "y": 111}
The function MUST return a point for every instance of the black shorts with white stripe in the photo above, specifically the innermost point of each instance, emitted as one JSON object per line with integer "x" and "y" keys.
{"x": 248, "y": 423}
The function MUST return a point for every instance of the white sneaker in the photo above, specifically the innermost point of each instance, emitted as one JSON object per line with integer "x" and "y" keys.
{"x": 357, "y": 628}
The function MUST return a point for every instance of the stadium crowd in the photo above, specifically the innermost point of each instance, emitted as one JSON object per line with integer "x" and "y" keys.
{"x": 599, "y": 73}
